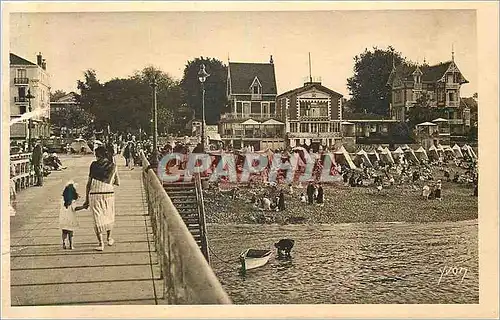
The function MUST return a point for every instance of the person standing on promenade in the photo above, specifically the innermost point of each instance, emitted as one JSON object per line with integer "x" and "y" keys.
{"x": 100, "y": 197}
{"x": 321, "y": 196}
{"x": 37, "y": 162}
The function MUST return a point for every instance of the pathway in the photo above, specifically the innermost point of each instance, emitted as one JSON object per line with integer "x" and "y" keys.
{"x": 42, "y": 273}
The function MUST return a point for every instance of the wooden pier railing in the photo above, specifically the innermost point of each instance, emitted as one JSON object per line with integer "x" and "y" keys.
{"x": 22, "y": 173}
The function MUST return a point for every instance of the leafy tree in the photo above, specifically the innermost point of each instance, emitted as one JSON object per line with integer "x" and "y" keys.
{"x": 423, "y": 112}
{"x": 58, "y": 94}
{"x": 215, "y": 88}
{"x": 368, "y": 86}
{"x": 126, "y": 104}
{"x": 71, "y": 118}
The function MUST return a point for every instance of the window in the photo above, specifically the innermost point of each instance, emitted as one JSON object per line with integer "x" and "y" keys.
{"x": 239, "y": 108}
{"x": 265, "y": 107}
{"x": 255, "y": 107}
{"x": 21, "y": 73}
{"x": 246, "y": 107}
{"x": 441, "y": 96}
{"x": 450, "y": 78}
{"x": 304, "y": 127}
{"x": 272, "y": 108}
{"x": 22, "y": 109}
{"x": 451, "y": 96}
{"x": 22, "y": 92}
{"x": 293, "y": 127}
{"x": 255, "y": 89}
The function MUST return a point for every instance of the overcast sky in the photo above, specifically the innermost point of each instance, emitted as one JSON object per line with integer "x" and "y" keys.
{"x": 117, "y": 44}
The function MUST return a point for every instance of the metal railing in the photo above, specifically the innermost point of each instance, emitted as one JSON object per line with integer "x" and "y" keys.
{"x": 187, "y": 277}
{"x": 21, "y": 80}
{"x": 22, "y": 175}
{"x": 201, "y": 215}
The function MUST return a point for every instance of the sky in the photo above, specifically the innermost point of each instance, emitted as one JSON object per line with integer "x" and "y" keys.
{"x": 116, "y": 44}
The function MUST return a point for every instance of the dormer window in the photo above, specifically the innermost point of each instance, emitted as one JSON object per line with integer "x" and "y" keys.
{"x": 256, "y": 87}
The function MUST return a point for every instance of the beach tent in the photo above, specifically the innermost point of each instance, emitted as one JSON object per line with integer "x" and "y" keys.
{"x": 458, "y": 151}
{"x": 380, "y": 149}
{"x": 405, "y": 147}
{"x": 343, "y": 152}
{"x": 374, "y": 155}
{"x": 433, "y": 152}
{"x": 386, "y": 156}
{"x": 361, "y": 154}
{"x": 410, "y": 154}
{"x": 440, "y": 150}
{"x": 421, "y": 154}
{"x": 465, "y": 147}
{"x": 79, "y": 145}
{"x": 471, "y": 152}
{"x": 398, "y": 153}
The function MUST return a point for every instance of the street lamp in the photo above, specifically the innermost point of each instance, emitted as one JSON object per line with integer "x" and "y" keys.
{"x": 202, "y": 76}
{"x": 29, "y": 96}
{"x": 154, "y": 154}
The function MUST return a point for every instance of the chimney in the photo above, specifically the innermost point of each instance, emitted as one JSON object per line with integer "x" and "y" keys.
{"x": 44, "y": 65}
{"x": 39, "y": 59}
{"x": 271, "y": 60}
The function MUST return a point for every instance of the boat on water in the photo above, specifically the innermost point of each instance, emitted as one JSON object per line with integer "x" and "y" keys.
{"x": 254, "y": 258}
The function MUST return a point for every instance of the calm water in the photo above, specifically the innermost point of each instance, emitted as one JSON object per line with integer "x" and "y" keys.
{"x": 352, "y": 263}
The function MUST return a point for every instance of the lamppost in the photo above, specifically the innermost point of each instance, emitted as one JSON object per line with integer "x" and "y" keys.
{"x": 29, "y": 96}
{"x": 154, "y": 154}
{"x": 202, "y": 76}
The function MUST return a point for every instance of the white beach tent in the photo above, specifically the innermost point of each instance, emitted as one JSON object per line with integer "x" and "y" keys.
{"x": 471, "y": 152}
{"x": 398, "y": 153}
{"x": 342, "y": 151}
{"x": 410, "y": 154}
{"x": 364, "y": 157}
{"x": 380, "y": 149}
{"x": 433, "y": 153}
{"x": 386, "y": 156}
{"x": 374, "y": 155}
{"x": 79, "y": 145}
{"x": 421, "y": 154}
{"x": 458, "y": 151}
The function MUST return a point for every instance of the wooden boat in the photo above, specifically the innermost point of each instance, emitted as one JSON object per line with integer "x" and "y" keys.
{"x": 254, "y": 258}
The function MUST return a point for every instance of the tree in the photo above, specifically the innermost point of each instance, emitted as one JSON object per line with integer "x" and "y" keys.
{"x": 58, "y": 94}
{"x": 423, "y": 112}
{"x": 126, "y": 104}
{"x": 368, "y": 86}
{"x": 215, "y": 88}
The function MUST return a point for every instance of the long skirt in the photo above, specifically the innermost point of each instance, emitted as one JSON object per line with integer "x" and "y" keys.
{"x": 102, "y": 205}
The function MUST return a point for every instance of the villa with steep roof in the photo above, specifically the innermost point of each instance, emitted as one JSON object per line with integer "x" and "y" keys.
{"x": 441, "y": 85}
{"x": 251, "y": 119}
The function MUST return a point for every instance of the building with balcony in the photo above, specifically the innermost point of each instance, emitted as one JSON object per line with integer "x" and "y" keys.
{"x": 251, "y": 119}
{"x": 312, "y": 115}
{"x": 440, "y": 84}
{"x": 28, "y": 77}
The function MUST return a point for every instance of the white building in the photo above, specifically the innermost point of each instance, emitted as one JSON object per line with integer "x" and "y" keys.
{"x": 28, "y": 77}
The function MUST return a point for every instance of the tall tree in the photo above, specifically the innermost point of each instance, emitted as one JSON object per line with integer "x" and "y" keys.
{"x": 215, "y": 88}
{"x": 368, "y": 86}
{"x": 58, "y": 94}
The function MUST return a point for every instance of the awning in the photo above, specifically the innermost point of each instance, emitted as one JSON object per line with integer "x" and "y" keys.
{"x": 423, "y": 124}
{"x": 250, "y": 122}
{"x": 214, "y": 136}
{"x": 439, "y": 120}
{"x": 346, "y": 123}
{"x": 272, "y": 122}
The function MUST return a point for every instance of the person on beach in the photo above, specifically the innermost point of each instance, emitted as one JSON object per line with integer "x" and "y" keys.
{"x": 310, "y": 193}
{"x": 303, "y": 198}
{"x": 426, "y": 192}
{"x": 67, "y": 214}
{"x": 103, "y": 176}
{"x": 281, "y": 201}
{"x": 437, "y": 191}
{"x": 321, "y": 196}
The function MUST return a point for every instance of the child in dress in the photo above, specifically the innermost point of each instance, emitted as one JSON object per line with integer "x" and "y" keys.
{"x": 67, "y": 215}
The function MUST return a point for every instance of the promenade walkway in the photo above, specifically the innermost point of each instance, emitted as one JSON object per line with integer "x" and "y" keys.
{"x": 42, "y": 273}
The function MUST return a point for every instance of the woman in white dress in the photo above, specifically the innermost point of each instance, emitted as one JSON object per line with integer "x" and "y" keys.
{"x": 100, "y": 197}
